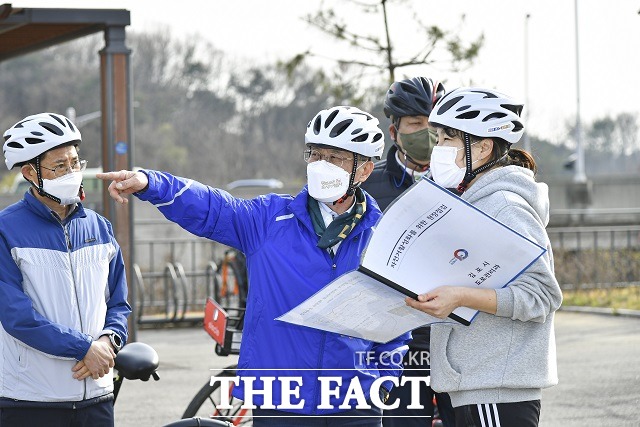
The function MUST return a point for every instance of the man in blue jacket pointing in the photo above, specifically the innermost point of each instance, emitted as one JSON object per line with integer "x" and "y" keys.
{"x": 294, "y": 247}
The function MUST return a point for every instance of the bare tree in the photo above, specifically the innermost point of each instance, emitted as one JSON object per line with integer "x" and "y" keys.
{"x": 429, "y": 39}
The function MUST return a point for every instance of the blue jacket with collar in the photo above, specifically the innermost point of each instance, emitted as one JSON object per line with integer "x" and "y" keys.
{"x": 62, "y": 284}
{"x": 285, "y": 267}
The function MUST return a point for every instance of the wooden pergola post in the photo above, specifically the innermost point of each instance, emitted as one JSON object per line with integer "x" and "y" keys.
{"x": 117, "y": 143}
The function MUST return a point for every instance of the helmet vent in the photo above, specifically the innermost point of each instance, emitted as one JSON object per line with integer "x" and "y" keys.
{"x": 37, "y": 133}
{"x": 368, "y": 116}
{"x": 14, "y": 144}
{"x": 57, "y": 119}
{"x": 517, "y": 126}
{"x": 423, "y": 104}
{"x": 516, "y": 109}
{"x": 447, "y": 105}
{"x": 492, "y": 116}
{"x": 486, "y": 94}
{"x": 409, "y": 88}
{"x": 73, "y": 129}
{"x": 34, "y": 140}
{"x": 356, "y": 131}
{"x": 52, "y": 128}
{"x": 340, "y": 128}
{"x": 316, "y": 125}
{"x": 360, "y": 138}
{"x": 330, "y": 118}
{"x": 468, "y": 115}
{"x": 464, "y": 107}
{"x": 377, "y": 137}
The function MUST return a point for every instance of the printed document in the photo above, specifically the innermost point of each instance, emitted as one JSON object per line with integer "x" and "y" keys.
{"x": 427, "y": 238}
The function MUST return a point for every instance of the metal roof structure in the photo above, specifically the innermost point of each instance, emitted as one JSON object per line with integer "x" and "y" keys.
{"x": 25, "y": 30}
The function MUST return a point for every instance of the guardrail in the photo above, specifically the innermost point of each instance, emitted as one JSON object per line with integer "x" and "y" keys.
{"x": 596, "y": 257}
{"x": 174, "y": 277}
{"x": 594, "y": 217}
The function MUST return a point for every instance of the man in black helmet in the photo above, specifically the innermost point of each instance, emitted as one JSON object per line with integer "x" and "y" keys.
{"x": 408, "y": 104}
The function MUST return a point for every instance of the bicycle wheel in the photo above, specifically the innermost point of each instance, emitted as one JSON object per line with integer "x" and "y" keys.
{"x": 204, "y": 403}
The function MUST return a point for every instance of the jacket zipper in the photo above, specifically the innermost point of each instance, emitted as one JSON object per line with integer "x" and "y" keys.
{"x": 75, "y": 288}
{"x": 324, "y": 336}
{"x": 317, "y": 393}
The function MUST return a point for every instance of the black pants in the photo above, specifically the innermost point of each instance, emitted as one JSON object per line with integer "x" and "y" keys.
{"x": 98, "y": 415}
{"x": 517, "y": 414}
{"x": 416, "y": 364}
{"x": 354, "y": 417}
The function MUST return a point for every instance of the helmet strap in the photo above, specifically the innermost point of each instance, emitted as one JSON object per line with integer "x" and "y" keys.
{"x": 40, "y": 188}
{"x": 352, "y": 188}
{"x": 396, "y": 123}
{"x": 408, "y": 158}
{"x": 470, "y": 173}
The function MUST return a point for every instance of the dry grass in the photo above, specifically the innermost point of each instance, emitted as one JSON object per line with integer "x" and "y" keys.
{"x": 627, "y": 297}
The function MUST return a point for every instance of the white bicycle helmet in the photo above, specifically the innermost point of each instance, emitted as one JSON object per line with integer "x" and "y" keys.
{"x": 347, "y": 128}
{"x": 480, "y": 112}
{"x": 37, "y": 134}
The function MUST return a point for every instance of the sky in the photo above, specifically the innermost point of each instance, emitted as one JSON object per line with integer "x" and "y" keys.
{"x": 609, "y": 34}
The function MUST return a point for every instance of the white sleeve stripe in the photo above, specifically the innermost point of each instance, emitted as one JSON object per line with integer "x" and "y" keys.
{"x": 281, "y": 217}
{"x": 185, "y": 188}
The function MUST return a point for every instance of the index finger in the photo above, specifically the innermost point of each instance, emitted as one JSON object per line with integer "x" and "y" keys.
{"x": 112, "y": 176}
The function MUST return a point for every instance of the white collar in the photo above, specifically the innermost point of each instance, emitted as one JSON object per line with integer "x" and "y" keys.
{"x": 328, "y": 215}
{"x": 417, "y": 175}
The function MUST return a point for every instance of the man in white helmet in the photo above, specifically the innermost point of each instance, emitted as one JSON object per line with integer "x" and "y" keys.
{"x": 294, "y": 246}
{"x": 63, "y": 291}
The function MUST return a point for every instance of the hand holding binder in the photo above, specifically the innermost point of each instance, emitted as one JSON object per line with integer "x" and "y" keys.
{"x": 426, "y": 239}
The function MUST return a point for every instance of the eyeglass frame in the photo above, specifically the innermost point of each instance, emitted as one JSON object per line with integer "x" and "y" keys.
{"x": 77, "y": 166}
{"x": 327, "y": 157}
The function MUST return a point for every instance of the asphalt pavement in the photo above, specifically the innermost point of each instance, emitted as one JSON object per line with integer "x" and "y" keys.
{"x": 598, "y": 366}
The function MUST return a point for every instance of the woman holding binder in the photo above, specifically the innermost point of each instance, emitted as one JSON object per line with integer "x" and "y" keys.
{"x": 495, "y": 369}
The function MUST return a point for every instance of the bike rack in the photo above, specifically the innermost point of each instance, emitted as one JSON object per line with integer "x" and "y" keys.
{"x": 212, "y": 280}
{"x": 180, "y": 291}
{"x": 171, "y": 304}
{"x": 170, "y": 282}
{"x": 140, "y": 288}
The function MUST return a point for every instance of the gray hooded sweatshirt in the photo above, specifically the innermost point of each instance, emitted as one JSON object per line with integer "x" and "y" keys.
{"x": 509, "y": 356}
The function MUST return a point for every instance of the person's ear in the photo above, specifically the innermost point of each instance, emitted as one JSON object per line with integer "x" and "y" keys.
{"x": 486, "y": 147}
{"x": 366, "y": 170}
{"x": 393, "y": 132}
{"x": 28, "y": 172}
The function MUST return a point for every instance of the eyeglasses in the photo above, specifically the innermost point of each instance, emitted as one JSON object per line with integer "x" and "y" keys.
{"x": 311, "y": 156}
{"x": 62, "y": 169}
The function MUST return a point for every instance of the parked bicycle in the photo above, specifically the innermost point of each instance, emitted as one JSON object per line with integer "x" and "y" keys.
{"x": 224, "y": 325}
{"x": 139, "y": 361}
{"x": 232, "y": 285}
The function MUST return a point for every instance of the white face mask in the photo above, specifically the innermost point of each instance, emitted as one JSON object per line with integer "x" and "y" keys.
{"x": 66, "y": 188}
{"x": 327, "y": 182}
{"x": 446, "y": 172}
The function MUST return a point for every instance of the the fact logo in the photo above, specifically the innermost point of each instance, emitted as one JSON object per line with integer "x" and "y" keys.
{"x": 459, "y": 255}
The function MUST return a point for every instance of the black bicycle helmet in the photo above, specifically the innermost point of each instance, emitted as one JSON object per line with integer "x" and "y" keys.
{"x": 412, "y": 97}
